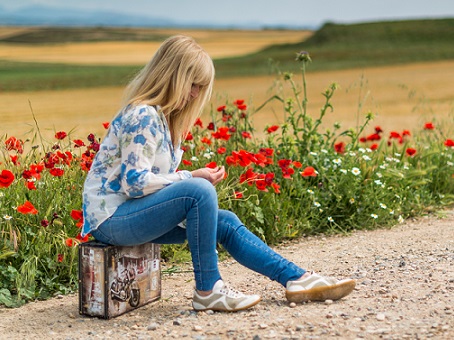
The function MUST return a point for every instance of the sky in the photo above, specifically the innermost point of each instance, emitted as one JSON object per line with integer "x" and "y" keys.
{"x": 263, "y": 12}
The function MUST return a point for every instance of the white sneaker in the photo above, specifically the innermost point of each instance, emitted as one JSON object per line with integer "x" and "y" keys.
{"x": 224, "y": 299}
{"x": 318, "y": 288}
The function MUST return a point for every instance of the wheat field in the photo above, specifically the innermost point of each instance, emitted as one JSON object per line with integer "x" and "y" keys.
{"x": 403, "y": 96}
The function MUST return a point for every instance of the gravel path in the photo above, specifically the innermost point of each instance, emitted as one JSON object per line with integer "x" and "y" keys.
{"x": 405, "y": 290}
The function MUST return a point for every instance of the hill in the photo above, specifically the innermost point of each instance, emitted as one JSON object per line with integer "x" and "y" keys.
{"x": 338, "y": 46}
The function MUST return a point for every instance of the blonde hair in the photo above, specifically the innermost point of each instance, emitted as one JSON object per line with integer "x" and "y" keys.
{"x": 166, "y": 81}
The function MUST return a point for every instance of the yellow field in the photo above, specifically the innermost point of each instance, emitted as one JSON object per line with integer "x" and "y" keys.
{"x": 404, "y": 97}
{"x": 216, "y": 43}
{"x": 430, "y": 85}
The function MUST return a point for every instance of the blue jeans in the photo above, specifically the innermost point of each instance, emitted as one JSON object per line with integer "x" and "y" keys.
{"x": 155, "y": 218}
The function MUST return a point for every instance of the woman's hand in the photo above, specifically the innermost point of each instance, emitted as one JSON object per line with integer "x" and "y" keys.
{"x": 214, "y": 176}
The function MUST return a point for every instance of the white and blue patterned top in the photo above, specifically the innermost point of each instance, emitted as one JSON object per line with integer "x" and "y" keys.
{"x": 135, "y": 159}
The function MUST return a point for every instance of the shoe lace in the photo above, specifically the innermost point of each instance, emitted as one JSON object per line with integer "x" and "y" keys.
{"x": 230, "y": 292}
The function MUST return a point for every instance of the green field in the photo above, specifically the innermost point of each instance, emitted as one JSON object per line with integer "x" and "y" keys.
{"x": 332, "y": 47}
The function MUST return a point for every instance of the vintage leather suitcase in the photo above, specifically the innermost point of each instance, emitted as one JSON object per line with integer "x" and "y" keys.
{"x": 115, "y": 279}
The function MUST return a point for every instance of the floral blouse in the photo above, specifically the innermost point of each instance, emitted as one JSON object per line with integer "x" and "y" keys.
{"x": 135, "y": 159}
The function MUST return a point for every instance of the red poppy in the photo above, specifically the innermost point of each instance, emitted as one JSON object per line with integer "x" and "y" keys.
{"x": 276, "y": 188}
{"x": 30, "y": 185}
{"x": 106, "y": 125}
{"x": 284, "y": 163}
{"x": 238, "y": 102}
{"x": 249, "y": 176}
{"x": 429, "y": 126}
{"x": 211, "y": 165}
{"x": 226, "y": 117}
{"x": 70, "y": 242}
{"x": 394, "y": 134}
{"x": 339, "y": 147}
{"x": 189, "y": 136}
{"x": 246, "y": 134}
{"x": 14, "y": 159}
{"x": 287, "y": 172}
{"x": 220, "y": 108}
{"x": 12, "y": 143}
{"x": 246, "y": 158}
{"x": 260, "y": 184}
{"x": 308, "y": 172}
{"x": 363, "y": 140}
{"x": 262, "y": 160}
{"x": 231, "y": 160}
{"x": 272, "y": 129}
{"x": 78, "y": 143}
{"x": 378, "y": 129}
{"x": 374, "y": 136}
{"x": 221, "y": 150}
{"x": 76, "y": 214}
{"x": 410, "y": 152}
{"x": 186, "y": 162}
{"x": 56, "y": 172}
{"x": 61, "y": 135}
{"x": 406, "y": 133}
{"x": 206, "y": 140}
{"x": 198, "y": 122}
{"x": 82, "y": 239}
{"x": 242, "y": 107}
{"x": 449, "y": 143}
{"x": 267, "y": 152}
{"x": 27, "y": 208}
{"x": 210, "y": 126}
{"x": 6, "y": 178}
{"x": 269, "y": 177}
{"x": 238, "y": 194}
{"x": 297, "y": 164}
{"x": 374, "y": 146}
{"x": 60, "y": 257}
{"x": 222, "y": 133}
{"x": 45, "y": 223}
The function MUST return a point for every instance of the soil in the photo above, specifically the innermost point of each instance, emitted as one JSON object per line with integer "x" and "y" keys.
{"x": 405, "y": 286}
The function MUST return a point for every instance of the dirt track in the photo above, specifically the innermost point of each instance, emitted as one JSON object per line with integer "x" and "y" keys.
{"x": 405, "y": 285}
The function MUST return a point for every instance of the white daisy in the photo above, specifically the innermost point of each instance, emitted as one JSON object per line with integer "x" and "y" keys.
{"x": 355, "y": 171}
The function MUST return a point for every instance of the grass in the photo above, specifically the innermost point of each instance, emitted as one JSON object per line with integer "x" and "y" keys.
{"x": 20, "y": 76}
{"x": 333, "y": 47}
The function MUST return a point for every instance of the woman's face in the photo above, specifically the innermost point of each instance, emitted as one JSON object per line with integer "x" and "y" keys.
{"x": 193, "y": 94}
{"x": 195, "y": 89}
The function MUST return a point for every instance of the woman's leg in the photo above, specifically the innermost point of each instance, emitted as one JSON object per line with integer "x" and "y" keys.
{"x": 252, "y": 252}
{"x": 154, "y": 218}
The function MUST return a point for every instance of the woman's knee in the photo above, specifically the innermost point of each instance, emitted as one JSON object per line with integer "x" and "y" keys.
{"x": 201, "y": 189}
{"x": 228, "y": 222}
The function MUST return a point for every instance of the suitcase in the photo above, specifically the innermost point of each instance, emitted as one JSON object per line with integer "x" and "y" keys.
{"x": 114, "y": 280}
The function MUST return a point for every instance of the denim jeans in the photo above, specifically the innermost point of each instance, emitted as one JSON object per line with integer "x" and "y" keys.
{"x": 155, "y": 218}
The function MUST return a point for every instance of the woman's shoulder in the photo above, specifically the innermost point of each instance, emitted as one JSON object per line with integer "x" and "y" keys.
{"x": 137, "y": 118}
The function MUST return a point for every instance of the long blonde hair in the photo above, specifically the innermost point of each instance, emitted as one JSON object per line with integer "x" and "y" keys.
{"x": 166, "y": 81}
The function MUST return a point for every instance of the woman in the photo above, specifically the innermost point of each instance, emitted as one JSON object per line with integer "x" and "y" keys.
{"x": 133, "y": 193}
